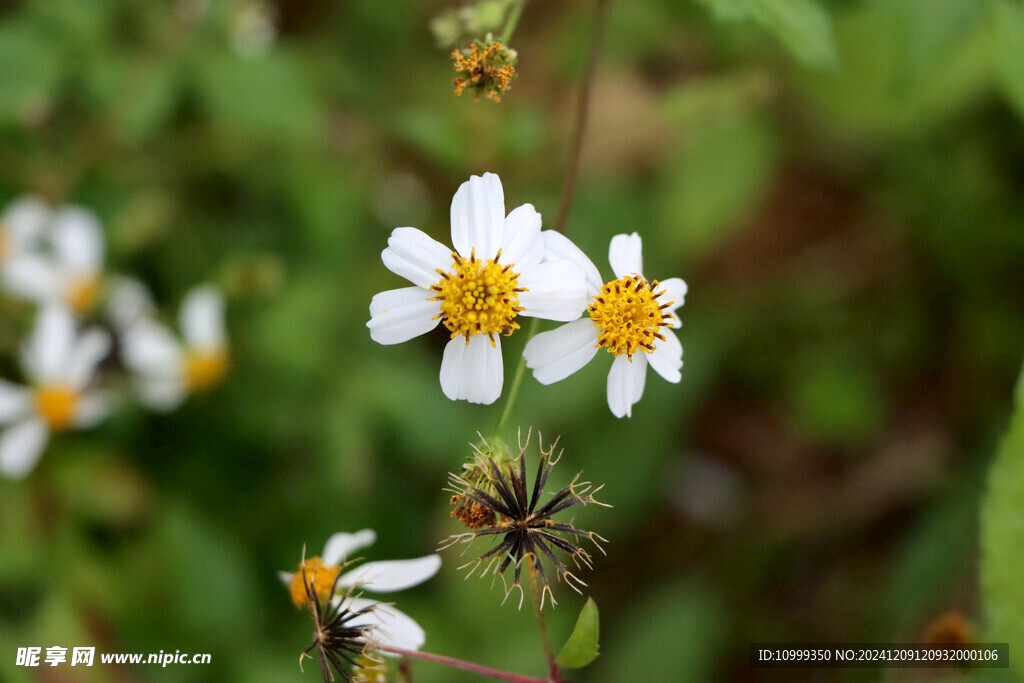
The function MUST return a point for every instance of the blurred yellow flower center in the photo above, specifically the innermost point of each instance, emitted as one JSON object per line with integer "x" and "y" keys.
{"x": 318, "y": 575}
{"x": 56, "y": 404}
{"x": 628, "y": 316}
{"x": 205, "y": 369}
{"x": 82, "y": 293}
{"x": 478, "y": 297}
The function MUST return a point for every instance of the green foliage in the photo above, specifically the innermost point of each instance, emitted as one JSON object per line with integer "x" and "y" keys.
{"x": 1008, "y": 44}
{"x": 716, "y": 182}
{"x": 803, "y": 26}
{"x": 1002, "y": 535}
{"x": 582, "y": 646}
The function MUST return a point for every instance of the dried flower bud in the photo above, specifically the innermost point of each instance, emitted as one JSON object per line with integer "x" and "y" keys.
{"x": 486, "y": 67}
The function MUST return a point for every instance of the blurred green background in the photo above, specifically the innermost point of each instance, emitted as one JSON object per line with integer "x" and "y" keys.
{"x": 841, "y": 187}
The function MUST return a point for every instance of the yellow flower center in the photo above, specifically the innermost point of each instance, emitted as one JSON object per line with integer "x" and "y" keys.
{"x": 82, "y": 293}
{"x": 56, "y": 404}
{"x": 205, "y": 369}
{"x": 628, "y": 316}
{"x": 318, "y": 575}
{"x": 478, "y": 297}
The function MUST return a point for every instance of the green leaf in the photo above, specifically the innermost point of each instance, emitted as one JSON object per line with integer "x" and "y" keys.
{"x": 801, "y": 25}
{"x": 1002, "y": 535}
{"x": 582, "y": 647}
{"x": 1008, "y": 46}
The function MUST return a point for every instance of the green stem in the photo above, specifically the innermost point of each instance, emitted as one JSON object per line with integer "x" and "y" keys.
{"x": 517, "y": 381}
{"x": 554, "y": 672}
{"x": 512, "y": 21}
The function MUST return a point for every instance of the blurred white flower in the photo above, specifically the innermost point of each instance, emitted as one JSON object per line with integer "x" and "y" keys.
{"x": 21, "y": 225}
{"x": 166, "y": 367}
{"x": 68, "y": 265}
{"x": 323, "y": 572}
{"x": 59, "y": 363}
{"x": 629, "y": 316}
{"x": 470, "y": 291}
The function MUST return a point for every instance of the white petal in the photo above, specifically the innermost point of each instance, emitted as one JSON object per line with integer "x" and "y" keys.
{"x": 25, "y": 219}
{"x": 286, "y": 577}
{"x": 48, "y": 351}
{"x": 558, "y": 246}
{"x": 202, "y": 318}
{"x": 398, "y": 315}
{"x": 626, "y": 383}
{"x": 675, "y": 291}
{"x": 160, "y": 393}
{"x": 625, "y": 255}
{"x": 667, "y": 357}
{"x": 78, "y": 239}
{"x": 20, "y": 448}
{"x": 478, "y": 216}
{"x": 93, "y": 407}
{"x": 522, "y": 244}
{"x": 557, "y": 291}
{"x": 129, "y": 303}
{"x": 394, "y": 627}
{"x": 150, "y": 348}
{"x": 33, "y": 278}
{"x": 472, "y": 371}
{"x": 90, "y": 348}
{"x": 416, "y": 256}
{"x": 391, "y": 575}
{"x": 341, "y": 545}
{"x": 555, "y": 355}
{"x": 15, "y": 401}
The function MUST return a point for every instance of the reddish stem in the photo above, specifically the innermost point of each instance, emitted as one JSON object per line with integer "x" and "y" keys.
{"x": 460, "y": 664}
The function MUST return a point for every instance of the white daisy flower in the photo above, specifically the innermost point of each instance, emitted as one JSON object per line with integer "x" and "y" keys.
{"x": 629, "y": 316}
{"x": 60, "y": 364}
{"x": 324, "y": 574}
{"x": 168, "y": 368}
{"x": 71, "y": 271}
{"x": 496, "y": 273}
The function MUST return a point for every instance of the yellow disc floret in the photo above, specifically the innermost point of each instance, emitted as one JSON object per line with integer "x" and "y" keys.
{"x": 83, "y": 292}
{"x": 205, "y": 369}
{"x": 57, "y": 405}
{"x": 478, "y": 297}
{"x": 318, "y": 575}
{"x": 628, "y": 315}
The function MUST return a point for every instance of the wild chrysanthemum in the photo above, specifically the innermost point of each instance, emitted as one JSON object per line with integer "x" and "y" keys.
{"x": 528, "y": 529}
{"x": 486, "y": 67}
{"x": 630, "y": 316}
{"x": 324, "y": 573}
{"x": 167, "y": 369}
{"x": 68, "y": 265}
{"x": 59, "y": 363}
{"x": 496, "y": 274}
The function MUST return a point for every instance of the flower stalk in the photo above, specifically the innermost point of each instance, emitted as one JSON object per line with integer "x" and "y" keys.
{"x": 554, "y": 672}
{"x": 472, "y": 667}
{"x": 513, "y": 20}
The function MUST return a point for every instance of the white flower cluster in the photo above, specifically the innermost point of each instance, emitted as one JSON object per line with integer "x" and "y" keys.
{"x": 54, "y": 260}
{"x": 505, "y": 266}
